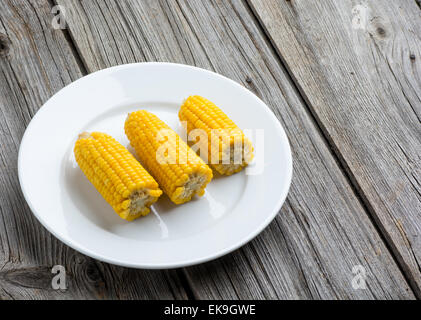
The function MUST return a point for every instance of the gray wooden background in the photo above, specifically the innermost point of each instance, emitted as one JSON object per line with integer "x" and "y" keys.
{"x": 343, "y": 78}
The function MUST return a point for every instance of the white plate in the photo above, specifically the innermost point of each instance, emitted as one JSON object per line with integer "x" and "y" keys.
{"x": 233, "y": 211}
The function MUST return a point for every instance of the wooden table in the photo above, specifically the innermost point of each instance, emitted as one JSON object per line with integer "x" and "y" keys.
{"x": 343, "y": 78}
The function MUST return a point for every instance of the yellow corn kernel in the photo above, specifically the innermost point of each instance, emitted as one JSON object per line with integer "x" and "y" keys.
{"x": 179, "y": 171}
{"x": 229, "y": 151}
{"x": 116, "y": 174}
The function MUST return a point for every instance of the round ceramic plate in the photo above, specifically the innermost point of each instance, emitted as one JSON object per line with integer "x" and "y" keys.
{"x": 233, "y": 210}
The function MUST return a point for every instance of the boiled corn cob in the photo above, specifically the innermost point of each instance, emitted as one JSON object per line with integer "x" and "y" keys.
{"x": 179, "y": 171}
{"x": 229, "y": 151}
{"x": 116, "y": 174}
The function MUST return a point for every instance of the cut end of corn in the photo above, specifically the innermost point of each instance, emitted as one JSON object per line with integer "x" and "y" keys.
{"x": 180, "y": 179}
{"x": 195, "y": 185}
{"x": 116, "y": 174}
{"x": 240, "y": 154}
{"x": 229, "y": 150}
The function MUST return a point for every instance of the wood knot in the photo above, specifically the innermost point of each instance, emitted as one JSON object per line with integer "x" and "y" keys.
{"x": 381, "y": 31}
{"x": 412, "y": 56}
{"x": 4, "y": 45}
{"x": 249, "y": 80}
{"x": 92, "y": 273}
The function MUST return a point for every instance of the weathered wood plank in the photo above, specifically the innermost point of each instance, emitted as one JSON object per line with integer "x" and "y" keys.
{"x": 35, "y": 62}
{"x": 358, "y": 65}
{"x": 323, "y": 229}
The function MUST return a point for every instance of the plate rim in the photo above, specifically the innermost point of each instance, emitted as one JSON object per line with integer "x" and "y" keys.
{"x": 238, "y": 244}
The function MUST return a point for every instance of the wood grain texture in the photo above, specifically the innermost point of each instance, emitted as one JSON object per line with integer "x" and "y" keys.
{"x": 358, "y": 65}
{"x": 323, "y": 230}
{"x": 35, "y": 62}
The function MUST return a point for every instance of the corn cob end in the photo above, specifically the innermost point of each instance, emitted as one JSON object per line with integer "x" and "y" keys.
{"x": 240, "y": 154}
{"x": 195, "y": 185}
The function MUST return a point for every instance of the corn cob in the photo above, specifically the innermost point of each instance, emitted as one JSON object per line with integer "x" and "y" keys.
{"x": 179, "y": 171}
{"x": 116, "y": 174}
{"x": 229, "y": 151}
